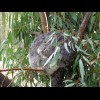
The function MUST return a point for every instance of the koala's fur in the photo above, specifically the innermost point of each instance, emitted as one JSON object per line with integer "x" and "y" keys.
{"x": 40, "y": 51}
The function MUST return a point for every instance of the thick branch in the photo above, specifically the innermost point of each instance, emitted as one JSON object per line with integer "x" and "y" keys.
{"x": 44, "y": 21}
{"x": 6, "y": 82}
{"x": 84, "y": 24}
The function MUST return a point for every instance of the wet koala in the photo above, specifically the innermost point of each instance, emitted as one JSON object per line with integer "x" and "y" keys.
{"x": 41, "y": 50}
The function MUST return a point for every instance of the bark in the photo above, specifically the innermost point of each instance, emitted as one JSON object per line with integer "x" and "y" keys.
{"x": 44, "y": 21}
{"x": 31, "y": 69}
{"x": 4, "y": 81}
{"x": 84, "y": 24}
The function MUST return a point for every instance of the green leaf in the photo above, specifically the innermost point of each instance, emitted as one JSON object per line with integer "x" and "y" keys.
{"x": 60, "y": 21}
{"x": 72, "y": 45}
{"x": 66, "y": 47}
{"x": 53, "y": 54}
{"x": 66, "y": 34}
{"x": 74, "y": 38}
{"x": 68, "y": 81}
{"x": 86, "y": 60}
{"x": 93, "y": 18}
{"x": 52, "y": 41}
{"x": 69, "y": 43}
{"x": 53, "y": 63}
{"x": 74, "y": 16}
{"x": 48, "y": 59}
{"x": 78, "y": 49}
{"x": 70, "y": 85}
{"x": 76, "y": 62}
{"x": 56, "y": 50}
{"x": 18, "y": 81}
{"x": 84, "y": 52}
{"x": 91, "y": 43}
{"x": 81, "y": 67}
{"x": 55, "y": 59}
{"x": 49, "y": 39}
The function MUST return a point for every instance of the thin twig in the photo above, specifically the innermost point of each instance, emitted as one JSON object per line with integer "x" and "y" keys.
{"x": 84, "y": 24}
{"x": 32, "y": 69}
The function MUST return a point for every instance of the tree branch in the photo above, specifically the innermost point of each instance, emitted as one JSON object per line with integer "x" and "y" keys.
{"x": 84, "y": 24}
{"x": 40, "y": 69}
{"x": 44, "y": 21}
{"x": 6, "y": 82}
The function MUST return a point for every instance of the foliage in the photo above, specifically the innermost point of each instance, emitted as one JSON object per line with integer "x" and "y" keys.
{"x": 14, "y": 49}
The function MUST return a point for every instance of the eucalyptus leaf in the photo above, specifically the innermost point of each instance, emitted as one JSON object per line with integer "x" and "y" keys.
{"x": 81, "y": 67}
{"x": 86, "y": 60}
{"x": 72, "y": 45}
{"x": 52, "y": 55}
{"x": 49, "y": 39}
{"x": 68, "y": 81}
{"x": 70, "y": 85}
{"x": 74, "y": 38}
{"x": 55, "y": 59}
{"x": 48, "y": 59}
{"x": 66, "y": 47}
{"x": 69, "y": 43}
{"x": 60, "y": 21}
{"x": 74, "y": 16}
{"x": 56, "y": 50}
{"x": 91, "y": 43}
{"x": 78, "y": 49}
{"x": 18, "y": 82}
{"x": 84, "y": 52}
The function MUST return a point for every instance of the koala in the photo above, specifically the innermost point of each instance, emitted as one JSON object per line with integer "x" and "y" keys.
{"x": 40, "y": 51}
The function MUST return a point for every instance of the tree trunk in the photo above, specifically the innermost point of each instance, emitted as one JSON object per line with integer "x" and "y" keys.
{"x": 5, "y": 82}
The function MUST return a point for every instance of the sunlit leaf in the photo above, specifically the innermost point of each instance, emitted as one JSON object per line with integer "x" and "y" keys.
{"x": 55, "y": 59}
{"x": 72, "y": 45}
{"x": 70, "y": 85}
{"x": 86, "y": 60}
{"x": 81, "y": 67}
{"x": 84, "y": 52}
{"x": 69, "y": 43}
{"x": 68, "y": 81}
{"x": 74, "y": 38}
{"x": 53, "y": 54}
{"x": 78, "y": 49}
{"x": 56, "y": 50}
{"x": 66, "y": 47}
